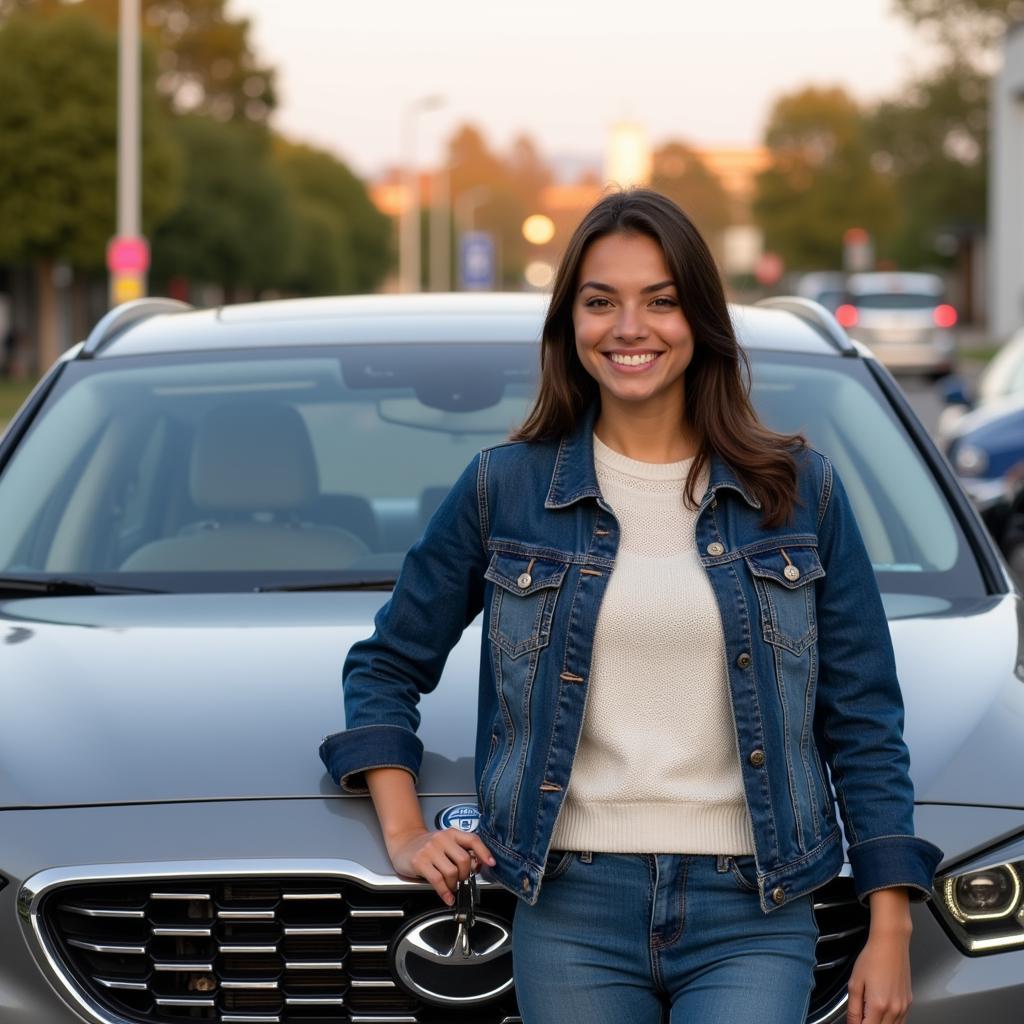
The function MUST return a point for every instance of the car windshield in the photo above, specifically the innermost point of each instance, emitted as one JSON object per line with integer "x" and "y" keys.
{"x": 896, "y": 300}
{"x": 321, "y": 466}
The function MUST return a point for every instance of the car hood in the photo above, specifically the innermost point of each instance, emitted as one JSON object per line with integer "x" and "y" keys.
{"x": 203, "y": 697}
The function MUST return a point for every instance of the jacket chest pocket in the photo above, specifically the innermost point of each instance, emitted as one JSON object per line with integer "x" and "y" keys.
{"x": 525, "y": 589}
{"x": 782, "y": 578}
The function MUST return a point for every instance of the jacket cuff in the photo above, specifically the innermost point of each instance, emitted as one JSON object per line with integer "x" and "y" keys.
{"x": 346, "y": 755}
{"x": 895, "y": 860}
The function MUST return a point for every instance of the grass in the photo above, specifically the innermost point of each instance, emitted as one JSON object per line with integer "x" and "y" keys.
{"x": 12, "y": 394}
{"x": 978, "y": 353}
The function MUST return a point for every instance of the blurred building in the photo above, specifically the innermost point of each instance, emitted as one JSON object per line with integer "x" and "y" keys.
{"x": 627, "y": 161}
{"x": 627, "y": 155}
{"x": 1006, "y": 196}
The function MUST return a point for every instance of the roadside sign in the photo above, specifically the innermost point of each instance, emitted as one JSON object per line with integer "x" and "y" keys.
{"x": 127, "y": 255}
{"x": 476, "y": 260}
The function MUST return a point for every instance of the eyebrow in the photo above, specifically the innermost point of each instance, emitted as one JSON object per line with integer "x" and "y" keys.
{"x": 608, "y": 288}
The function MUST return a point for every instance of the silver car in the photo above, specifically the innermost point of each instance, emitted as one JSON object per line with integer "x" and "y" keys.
{"x": 202, "y": 510}
{"x": 904, "y": 318}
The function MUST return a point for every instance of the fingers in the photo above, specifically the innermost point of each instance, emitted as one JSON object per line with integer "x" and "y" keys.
{"x": 448, "y": 857}
{"x": 855, "y": 1005}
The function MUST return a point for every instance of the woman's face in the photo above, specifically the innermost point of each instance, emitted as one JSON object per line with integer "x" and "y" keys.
{"x": 631, "y": 335}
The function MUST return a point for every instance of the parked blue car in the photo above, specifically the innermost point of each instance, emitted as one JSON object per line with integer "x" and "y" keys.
{"x": 986, "y": 448}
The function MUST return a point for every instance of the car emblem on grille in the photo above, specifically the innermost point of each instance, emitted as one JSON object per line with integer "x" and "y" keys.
{"x": 473, "y": 975}
{"x": 465, "y": 817}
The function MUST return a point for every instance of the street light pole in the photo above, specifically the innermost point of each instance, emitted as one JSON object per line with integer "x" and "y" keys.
{"x": 409, "y": 225}
{"x": 440, "y": 232}
{"x": 129, "y": 133}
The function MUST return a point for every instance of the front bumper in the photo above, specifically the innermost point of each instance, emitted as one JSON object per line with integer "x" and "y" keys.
{"x": 948, "y": 985}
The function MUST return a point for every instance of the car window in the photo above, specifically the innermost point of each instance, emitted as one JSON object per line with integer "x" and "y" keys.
{"x": 896, "y": 300}
{"x": 233, "y": 470}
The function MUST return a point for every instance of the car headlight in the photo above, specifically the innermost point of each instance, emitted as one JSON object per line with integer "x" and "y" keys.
{"x": 984, "y": 907}
{"x": 970, "y": 460}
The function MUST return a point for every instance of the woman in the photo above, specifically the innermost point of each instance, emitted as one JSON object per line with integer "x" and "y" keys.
{"x": 676, "y": 866}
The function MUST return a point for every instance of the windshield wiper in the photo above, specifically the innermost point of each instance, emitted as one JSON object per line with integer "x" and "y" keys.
{"x": 65, "y": 586}
{"x": 386, "y": 583}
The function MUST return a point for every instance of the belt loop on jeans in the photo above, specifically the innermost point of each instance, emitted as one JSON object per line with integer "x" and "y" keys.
{"x": 586, "y": 856}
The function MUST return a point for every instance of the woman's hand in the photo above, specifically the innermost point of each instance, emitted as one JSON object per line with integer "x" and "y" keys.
{"x": 442, "y": 858}
{"x": 880, "y": 983}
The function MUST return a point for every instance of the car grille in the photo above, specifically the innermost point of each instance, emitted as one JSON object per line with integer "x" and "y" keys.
{"x": 282, "y": 949}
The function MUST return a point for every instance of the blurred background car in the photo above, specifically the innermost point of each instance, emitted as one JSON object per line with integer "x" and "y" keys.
{"x": 203, "y": 509}
{"x": 903, "y": 318}
{"x": 825, "y": 286}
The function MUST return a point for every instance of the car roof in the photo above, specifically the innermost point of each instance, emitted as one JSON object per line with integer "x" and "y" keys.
{"x": 164, "y": 326}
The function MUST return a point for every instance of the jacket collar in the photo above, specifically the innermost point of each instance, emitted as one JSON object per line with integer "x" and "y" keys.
{"x": 574, "y": 476}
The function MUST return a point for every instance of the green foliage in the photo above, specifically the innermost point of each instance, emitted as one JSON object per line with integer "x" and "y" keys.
{"x": 342, "y": 242}
{"x": 932, "y": 144}
{"x": 821, "y": 180}
{"x": 58, "y": 141}
{"x": 965, "y": 28}
{"x": 680, "y": 174}
{"x": 232, "y": 226}
{"x": 206, "y": 60}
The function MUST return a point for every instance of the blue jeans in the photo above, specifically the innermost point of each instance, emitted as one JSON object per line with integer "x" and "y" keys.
{"x": 646, "y": 938}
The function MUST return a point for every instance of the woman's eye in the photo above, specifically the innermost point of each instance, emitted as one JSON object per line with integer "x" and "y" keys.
{"x": 591, "y": 303}
{"x": 665, "y": 299}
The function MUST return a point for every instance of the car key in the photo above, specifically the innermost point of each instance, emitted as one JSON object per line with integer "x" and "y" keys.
{"x": 465, "y": 911}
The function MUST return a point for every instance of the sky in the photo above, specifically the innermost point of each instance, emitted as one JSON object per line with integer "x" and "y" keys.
{"x": 564, "y": 71}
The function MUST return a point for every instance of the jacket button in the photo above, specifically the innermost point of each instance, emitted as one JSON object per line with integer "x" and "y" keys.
{"x": 778, "y": 895}
{"x": 791, "y": 572}
{"x": 525, "y": 579}
{"x": 743, "y": 660}
{"x": 714, "y": 548}
{"x": 757, "y": 758}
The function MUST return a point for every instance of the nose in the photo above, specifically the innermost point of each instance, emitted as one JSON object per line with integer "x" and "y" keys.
{"x": 629, "y": 323}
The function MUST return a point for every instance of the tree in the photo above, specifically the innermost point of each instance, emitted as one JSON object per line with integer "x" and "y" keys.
{"x": 679, "y": 173}
{"x": 508, "y": 201}
{"x": 58, "y": 151}
{"x": 233, "y": 225}
{"x": 932, "y": 143}
{"x": 206, "y": 60}
{"x": 343, "y": 242}
{"x": 820, "y": 180}
{"x": 967, "y": 29}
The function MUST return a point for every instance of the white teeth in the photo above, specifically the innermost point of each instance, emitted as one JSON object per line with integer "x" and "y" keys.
{"x": 633, "y": 360}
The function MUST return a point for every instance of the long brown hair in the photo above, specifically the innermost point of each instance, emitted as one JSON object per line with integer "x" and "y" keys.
{"x": 716, "y": 395}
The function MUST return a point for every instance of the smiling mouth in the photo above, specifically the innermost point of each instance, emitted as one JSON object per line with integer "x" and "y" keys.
{"x": 639, "y": 359}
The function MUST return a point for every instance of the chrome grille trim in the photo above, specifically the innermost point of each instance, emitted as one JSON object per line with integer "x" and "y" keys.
{"x": 108, "y": 947}
{"x": 359, "y": 1018}
{"x": 103, "y": 911}
{"x": 184, "y": 1001}
{"x": 130, "y": 986}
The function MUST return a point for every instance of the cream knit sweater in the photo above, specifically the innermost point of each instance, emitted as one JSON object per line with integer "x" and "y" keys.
{"x": 657, "y": 767}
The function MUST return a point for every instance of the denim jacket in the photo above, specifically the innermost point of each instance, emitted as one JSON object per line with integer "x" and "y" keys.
{"x": 525, "y": 536}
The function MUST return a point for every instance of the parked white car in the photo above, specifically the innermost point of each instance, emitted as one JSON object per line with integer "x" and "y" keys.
{"x": 904, "y": 319}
